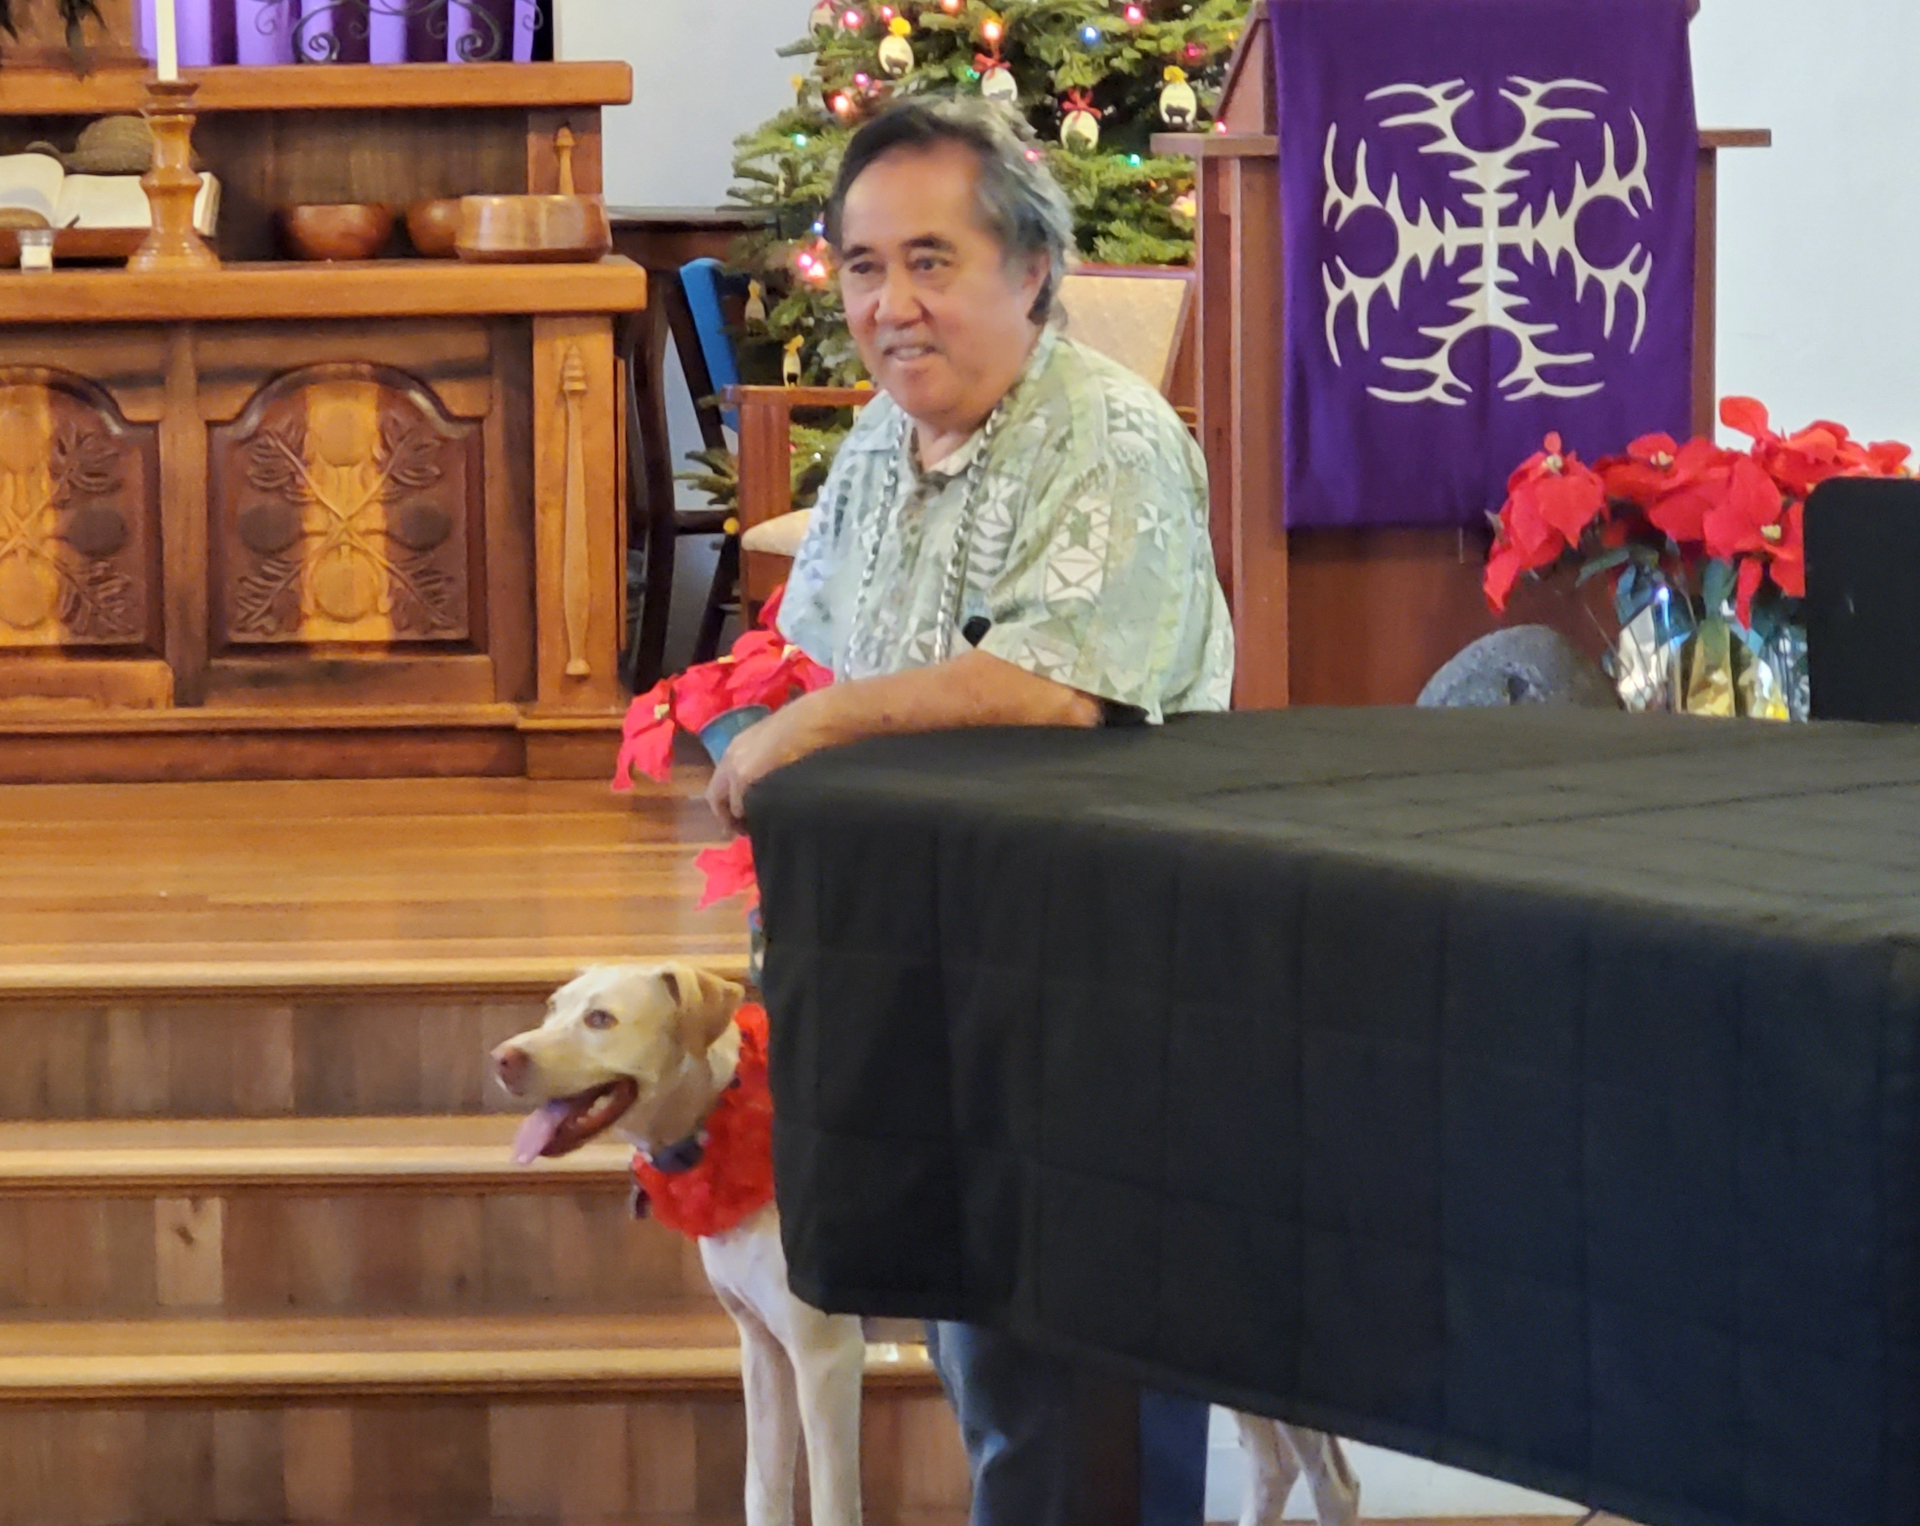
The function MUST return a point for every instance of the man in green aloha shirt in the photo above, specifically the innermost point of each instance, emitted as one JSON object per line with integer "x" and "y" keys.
{"x": 1015, "y": 534}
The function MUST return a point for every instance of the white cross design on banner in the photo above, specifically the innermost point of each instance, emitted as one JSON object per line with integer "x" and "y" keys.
{"x": 1486, "y": 299}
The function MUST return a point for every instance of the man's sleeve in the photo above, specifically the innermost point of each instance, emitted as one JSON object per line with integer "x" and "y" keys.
{"x": 1106, "y": 589}
{"x": 806, "y": 611}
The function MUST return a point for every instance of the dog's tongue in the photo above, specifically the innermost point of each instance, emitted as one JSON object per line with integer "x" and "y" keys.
{"x": 537, "y": 1130}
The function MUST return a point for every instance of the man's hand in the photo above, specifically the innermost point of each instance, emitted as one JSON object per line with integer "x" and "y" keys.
{"x": 784, "y": 737}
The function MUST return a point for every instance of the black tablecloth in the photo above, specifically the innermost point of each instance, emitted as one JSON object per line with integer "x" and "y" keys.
{"x": 1532, "y": 1090}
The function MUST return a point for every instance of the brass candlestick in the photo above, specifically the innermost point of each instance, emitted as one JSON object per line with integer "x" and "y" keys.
{"x": 171, "y": 185}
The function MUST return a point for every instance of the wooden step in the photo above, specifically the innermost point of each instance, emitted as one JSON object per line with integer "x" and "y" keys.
{"x": 205, "y": 1157}
{"x": 342, "y": 1215}
{"x": 313, "y": 1053}
{"x": 674, "y": 1351}
{"x": 321, "y": 948}
{"x": 261, "y": 1422}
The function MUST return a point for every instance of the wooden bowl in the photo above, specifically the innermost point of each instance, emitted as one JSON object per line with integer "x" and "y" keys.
{"x": 521, "y": 229}
{"x": 348, "y": 230}
{"x": 434, "y": 226}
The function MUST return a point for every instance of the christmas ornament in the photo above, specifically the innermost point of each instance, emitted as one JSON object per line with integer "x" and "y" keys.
{"x": 1178, "y": 104}
{"x": 1080, "y": 127}
{"x": 896, "y": 53}
{"x": 996, "y": 79}
{"x": 756, "y": 314}
{"x": 825, "y": 14}
{"x": 790, "y": 364}
{"x": 1185, "y": 208}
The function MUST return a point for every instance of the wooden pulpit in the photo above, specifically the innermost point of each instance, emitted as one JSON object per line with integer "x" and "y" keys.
{"x": 1344, "y": 616}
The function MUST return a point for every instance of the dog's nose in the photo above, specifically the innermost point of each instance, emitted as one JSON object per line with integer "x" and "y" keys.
{"x": 510, "y": 1065}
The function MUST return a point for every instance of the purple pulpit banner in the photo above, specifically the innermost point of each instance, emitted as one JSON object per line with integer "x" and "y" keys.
{"x": 1488, "y": 214}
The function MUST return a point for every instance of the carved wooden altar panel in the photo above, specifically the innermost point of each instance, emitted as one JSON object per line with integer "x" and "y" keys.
{"x": 78, "y": 517}
{"x": 343, "y": 499}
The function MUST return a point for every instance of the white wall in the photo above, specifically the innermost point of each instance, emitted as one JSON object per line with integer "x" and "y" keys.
{"x": 1819, "y": 314}
{"x": 704, "y": 71}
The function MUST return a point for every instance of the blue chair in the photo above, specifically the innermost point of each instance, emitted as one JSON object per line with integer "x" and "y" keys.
{"x": 706, "y": 289}
{"x": 709, "y": 290}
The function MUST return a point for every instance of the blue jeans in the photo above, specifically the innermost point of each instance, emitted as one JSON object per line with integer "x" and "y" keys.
{"x": 1015, "y": 1406}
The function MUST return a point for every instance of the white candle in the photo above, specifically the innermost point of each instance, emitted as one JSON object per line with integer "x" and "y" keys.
{"x": 166, "y": 35}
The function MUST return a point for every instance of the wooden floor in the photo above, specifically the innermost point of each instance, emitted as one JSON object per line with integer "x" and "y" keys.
{"x": 402, "y": 883}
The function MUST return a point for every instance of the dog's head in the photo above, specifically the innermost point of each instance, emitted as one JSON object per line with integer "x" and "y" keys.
{"x": 613, "y": 1037}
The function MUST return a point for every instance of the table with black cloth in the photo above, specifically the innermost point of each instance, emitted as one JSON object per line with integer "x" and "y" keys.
{"x": 1532, "y": 1090}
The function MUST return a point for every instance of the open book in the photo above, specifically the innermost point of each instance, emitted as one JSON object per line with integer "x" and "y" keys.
{"x": 38, "y": 184}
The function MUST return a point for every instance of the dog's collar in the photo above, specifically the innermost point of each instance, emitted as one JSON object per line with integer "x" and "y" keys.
{"x": 678, "y": 1159}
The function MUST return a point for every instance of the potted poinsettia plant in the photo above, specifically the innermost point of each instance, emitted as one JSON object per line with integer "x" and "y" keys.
{"x": 1704, "y": 546}
{"x": 716, "y": 701}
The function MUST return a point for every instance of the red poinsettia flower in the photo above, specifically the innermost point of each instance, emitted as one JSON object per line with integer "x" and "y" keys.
{"x": 1747, "y": 525}
{"x": 1801, "y": 462}
{"x": 1551, "y": 500}
{"x": 770, "y": 611}
{"x": 1888, "y": 458}
{"x": 1643, "y": 473}
{"x": 810, "y": 675}
{"x": 759, "y": 673}
{"x": 729, "y": 872}
{"x": 1504, "y": 567}
{"x": 1788, "y": 563}
{"x": 1554, "y": 489}
{"x": 1696, "y": 484}
{"x": 1746, "y": 513}
{"x": 647, "y": 745}
{"x": 703, "y": 692}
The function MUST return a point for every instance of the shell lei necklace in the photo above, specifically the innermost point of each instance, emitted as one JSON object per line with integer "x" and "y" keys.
{"x": 947, "y": 615}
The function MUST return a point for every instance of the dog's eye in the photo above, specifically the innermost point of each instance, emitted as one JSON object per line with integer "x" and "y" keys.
{"x": 600, "y": 1019}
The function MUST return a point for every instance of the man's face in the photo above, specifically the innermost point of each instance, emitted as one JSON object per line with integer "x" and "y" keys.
{"x": 938, "y": 314}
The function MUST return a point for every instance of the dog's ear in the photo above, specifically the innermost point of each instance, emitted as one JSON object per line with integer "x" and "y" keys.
{"x": 706, "y": 1003}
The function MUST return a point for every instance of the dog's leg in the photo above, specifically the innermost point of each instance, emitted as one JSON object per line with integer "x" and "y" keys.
{"x": 773, "y": 1414}
{"x": 829, "y": 1355}
{"x": 1336, "y": 1492}
{"x": 1272, "y": 1467}
{"x": 773, "y": 1427}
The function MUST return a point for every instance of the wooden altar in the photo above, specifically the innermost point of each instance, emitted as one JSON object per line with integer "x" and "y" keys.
{"x": 295, "y": 520}
{"x": 1339, "y": 617}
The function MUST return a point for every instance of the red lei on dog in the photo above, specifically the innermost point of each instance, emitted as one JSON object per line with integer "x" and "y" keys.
{"x": 734, "y": 1179}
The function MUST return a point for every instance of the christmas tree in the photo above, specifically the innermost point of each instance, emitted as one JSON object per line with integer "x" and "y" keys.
{"x": 1095, "y": 79}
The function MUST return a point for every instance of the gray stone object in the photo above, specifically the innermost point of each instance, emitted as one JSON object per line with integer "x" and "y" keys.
{"x": 1526, "y": 665}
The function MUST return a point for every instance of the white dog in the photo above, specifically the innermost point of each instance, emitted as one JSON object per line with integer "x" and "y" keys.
{"x": 668, "y": 1052}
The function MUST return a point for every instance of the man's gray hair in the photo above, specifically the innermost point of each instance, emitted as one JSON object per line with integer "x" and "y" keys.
{"x": 1021, "y": 204}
